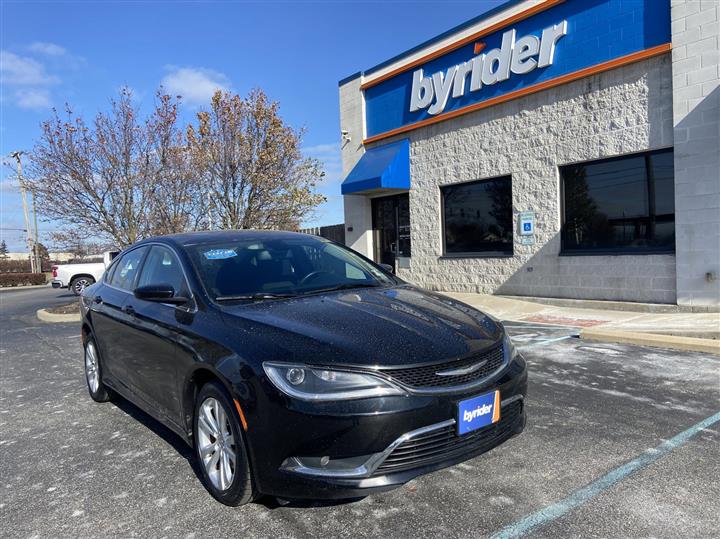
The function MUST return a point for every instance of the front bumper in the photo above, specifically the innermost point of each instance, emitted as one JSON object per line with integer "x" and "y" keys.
{"x": 372, "y": 445}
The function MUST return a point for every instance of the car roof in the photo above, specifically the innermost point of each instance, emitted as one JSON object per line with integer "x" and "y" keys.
{"x": 214, "y": 236}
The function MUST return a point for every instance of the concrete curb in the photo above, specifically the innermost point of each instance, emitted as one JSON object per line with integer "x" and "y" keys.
{"x": 27, "y": 287}
{"x": 622, "y": 306}
{"x": 45, "y": 316}
{"x": 692, "y": 344}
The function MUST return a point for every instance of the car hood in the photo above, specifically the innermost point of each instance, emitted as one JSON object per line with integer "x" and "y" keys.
{"x": 395, "y": 326}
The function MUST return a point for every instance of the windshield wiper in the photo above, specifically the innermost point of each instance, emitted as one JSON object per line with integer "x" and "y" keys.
{"x": 344, "y": 286}
{"x": 270, "y": 295}
{"x": 257, "y": 295}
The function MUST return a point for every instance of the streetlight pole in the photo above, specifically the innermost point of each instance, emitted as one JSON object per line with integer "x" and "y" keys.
{"x": 31, "y": 247}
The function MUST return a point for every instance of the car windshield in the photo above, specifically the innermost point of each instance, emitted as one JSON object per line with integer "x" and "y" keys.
{"x": 284, "y": 267}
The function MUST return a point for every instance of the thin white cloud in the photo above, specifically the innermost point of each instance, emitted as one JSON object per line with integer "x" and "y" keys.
{"x": 22, "y": 71}
{"x": 33, "y": 98}
{"x": 330, "y": 212}
{"x": 48, "y": 49}
{"x": 8, "y": 185}
{"x": 195, "y": 85}
{"x": 25, "y": 81}
{"x": 329, "y": 155}
{"x": 56, "y": 56}
{"x": 332, "y": 148}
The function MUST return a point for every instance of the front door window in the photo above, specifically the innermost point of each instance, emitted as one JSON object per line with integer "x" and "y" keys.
{"x": 391, "y": 228}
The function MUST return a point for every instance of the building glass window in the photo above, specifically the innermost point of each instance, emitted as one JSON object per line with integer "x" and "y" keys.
{"x": 478, "y": 218}
{"x": 619, "y": 205}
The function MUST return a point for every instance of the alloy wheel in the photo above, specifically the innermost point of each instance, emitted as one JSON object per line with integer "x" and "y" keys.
{"x": 216, "y": 443}
{"x": 91, "y": 367}
{"x": 80, "y": 285}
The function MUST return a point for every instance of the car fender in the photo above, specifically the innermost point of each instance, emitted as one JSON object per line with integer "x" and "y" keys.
{"x": 226, "y": 372}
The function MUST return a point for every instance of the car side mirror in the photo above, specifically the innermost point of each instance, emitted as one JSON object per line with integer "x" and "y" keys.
{"x": 160, "y": 293}
{"x": 388, "y": 268}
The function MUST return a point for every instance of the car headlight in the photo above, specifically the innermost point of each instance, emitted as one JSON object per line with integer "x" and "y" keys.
{"x": 317, "y": 384}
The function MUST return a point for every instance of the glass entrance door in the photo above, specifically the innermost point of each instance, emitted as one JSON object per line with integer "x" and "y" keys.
{"x": 391, "y": 228}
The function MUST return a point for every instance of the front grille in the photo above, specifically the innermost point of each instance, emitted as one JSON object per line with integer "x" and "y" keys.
{"x": 426, "y": 376}
{"x": 445, "y": 444}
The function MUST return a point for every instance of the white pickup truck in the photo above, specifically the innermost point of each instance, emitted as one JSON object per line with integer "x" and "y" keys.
{"x": 77, "y": 277}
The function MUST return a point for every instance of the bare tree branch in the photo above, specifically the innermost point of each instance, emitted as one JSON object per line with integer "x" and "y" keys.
{"x": 250, "y": 164}
{"x": 122, "y": 179}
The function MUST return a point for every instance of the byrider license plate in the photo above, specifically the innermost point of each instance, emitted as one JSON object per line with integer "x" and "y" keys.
{"x": 478, "y": 412}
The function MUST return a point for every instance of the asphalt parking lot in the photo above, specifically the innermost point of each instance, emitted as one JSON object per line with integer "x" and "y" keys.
{"x": 614, "y": 447}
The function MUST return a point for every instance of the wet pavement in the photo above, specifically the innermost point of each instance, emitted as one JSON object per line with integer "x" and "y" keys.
{"x": 74, "y": 468}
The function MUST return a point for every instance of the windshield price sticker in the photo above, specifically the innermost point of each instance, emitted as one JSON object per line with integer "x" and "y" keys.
{"x": 219, "y": 254}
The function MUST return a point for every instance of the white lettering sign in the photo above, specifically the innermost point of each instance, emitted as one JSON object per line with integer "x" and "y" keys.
{"x": 519, "y": 56}
{"x": 469, "y": 415}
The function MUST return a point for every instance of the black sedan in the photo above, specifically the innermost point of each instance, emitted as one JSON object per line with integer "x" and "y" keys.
{"x": 296, "y": 367}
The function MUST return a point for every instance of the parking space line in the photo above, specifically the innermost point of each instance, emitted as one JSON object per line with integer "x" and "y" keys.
{"x": 565, "y": 328}
{"x": 585, "y": 494}
{"x": 536, "y": 325}
{"x": 545, "y": 342}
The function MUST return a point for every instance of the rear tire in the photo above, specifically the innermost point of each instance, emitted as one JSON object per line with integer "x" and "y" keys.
{"x": 93, "y": 373}
{"x": 220, "y": 447}
{"x": 78, "y": 284}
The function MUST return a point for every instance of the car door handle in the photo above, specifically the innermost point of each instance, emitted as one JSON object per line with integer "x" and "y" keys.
{"x": 128, "y": 309}
{"x": 98, "y": 300}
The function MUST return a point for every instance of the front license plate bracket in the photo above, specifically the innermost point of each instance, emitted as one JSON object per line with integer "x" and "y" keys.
{"x": 478, "y": 412}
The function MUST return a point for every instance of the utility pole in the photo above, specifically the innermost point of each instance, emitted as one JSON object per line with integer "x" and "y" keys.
{"x": 31, "y": 247}
{"x": 36, "y": 244}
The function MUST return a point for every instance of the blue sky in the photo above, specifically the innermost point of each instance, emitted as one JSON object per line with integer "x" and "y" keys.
{"x": 83, "y": 52}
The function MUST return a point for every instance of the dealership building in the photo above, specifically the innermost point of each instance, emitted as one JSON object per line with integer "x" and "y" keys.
{"x": 548, "y": 148}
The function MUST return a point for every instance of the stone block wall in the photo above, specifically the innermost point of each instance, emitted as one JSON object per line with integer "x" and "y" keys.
{"x": 627, "y": 110}
{"x": 696, "y": 121}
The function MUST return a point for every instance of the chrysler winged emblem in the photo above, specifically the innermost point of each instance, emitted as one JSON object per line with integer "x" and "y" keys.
{"x": 462, "y": 370}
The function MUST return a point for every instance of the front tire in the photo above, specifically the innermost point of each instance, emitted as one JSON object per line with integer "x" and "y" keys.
{"x": 78, "y": 284}
{"x": 93, "y": 373}
{"x": 220, "y": 447}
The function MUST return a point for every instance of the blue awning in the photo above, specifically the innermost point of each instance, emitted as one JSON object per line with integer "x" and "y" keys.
{"x": 382, "y": 167}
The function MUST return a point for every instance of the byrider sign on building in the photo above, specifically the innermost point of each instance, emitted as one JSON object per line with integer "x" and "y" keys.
{"x": 572, "y": 111}
{"x": 570, "y": 36}
{"x": 517, "y": 57}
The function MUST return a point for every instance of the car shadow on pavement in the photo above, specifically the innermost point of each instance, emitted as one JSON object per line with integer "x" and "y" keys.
{"x": 68, "y": 295}
{"x": 185, "y": 451}
{"x": 170, "y": 437}
{"x": 271, "y": 502}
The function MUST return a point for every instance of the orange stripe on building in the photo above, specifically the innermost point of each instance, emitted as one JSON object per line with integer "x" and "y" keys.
{"x": 564, "y": 79}
{"x": 452, "y": 46}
